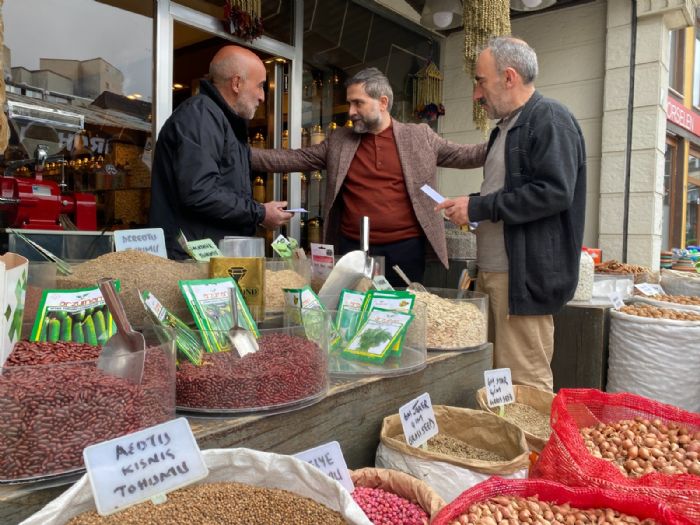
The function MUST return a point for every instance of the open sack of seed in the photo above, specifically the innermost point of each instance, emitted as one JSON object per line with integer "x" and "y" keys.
{"x": 243, "y": 487}
{"x": 680, "y": 283}
{"x": 501, "y": 500}
{"x": 392, "y": 497}
{"x": 654, "y": 350}
{"x": 626, "y": 443}
{"x": 470, "y": 447}
{"x": 530, "y": 413}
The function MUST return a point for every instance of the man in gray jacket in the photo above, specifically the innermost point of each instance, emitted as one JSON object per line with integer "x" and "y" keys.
{"x": 201, "y": 171}
{"x": 530, "y": 211}
{"x": 377, "y": 169}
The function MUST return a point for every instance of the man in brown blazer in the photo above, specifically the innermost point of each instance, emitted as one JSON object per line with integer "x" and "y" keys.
{"x": 376, "y": 168}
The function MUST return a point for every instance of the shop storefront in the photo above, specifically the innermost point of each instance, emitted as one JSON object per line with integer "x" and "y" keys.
{"x": 87, "y": 99}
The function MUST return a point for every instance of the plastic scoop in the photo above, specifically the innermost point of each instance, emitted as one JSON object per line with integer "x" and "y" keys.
{"x": 416, "y": 287}
{"x": 242, "y": 340}
{"x": 124, "y": 354}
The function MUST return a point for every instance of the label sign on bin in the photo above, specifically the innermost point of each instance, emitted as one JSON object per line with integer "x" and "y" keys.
{"x": 499, "y": 387}
{"x": 328, "y": 458}
{"x": 418, "y": 420}
{"x": 143, "y": 465}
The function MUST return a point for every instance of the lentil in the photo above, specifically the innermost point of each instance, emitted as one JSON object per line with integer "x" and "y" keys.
{"x": 451, "y": 446}
{"x": 275, "y": 281}
{"x": 138, "y": 271}
{"x": 452, "y": 323}
{"x": 50, "y": 413}
{"x": 640, "y": 446}
{"x": 516, "y": 509}
{"x": 221, "y": 503}
{"x": 285, "y": 369}
{"x": 529, "y": 419}
{"x": 386, "y": 508}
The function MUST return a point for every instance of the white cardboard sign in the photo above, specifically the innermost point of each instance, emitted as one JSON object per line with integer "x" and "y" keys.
{"x": 418, "y": 420}
{"x": 649, "y": 288}
{"x": 499, "y": 387}
{"x": 143, "y": 465}
{"x": 149, "y": 240}
{"x": 328, "y": 458}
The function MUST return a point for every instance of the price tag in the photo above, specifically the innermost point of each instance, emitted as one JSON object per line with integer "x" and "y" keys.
{"x": 149, "y": 240}
{"x": 418, "y": 420}
{"x": 203, "y": 250}
{"x": 328, "y": 458}
{"x": 380, "y": 283}
{"x": 649, "y": 289}
{"x": 499, "y": 387}
{"x": 616, "y": 300}
{"x": 143, "y": 465}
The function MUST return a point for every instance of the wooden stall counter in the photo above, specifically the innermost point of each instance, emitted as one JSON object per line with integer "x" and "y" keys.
{"x": 351, "y": 413}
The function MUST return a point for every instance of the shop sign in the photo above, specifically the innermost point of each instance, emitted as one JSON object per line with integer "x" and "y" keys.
{"x": 328, "y": 458}
{"x": 149, "y": 240}
{"x": 682, "y": 116}
{"x": 143, "y": 465}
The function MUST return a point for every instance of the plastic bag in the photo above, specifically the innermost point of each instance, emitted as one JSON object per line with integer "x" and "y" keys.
{"x": 401, "y": 484}
{"x": 566, "y": 459}
{"x": 651, "y": 357}
{"x": 449, "y": 475}
{"x": 584, "y": 288}
{"x": 583, "y": 498}
{"x": 263, "y": 469}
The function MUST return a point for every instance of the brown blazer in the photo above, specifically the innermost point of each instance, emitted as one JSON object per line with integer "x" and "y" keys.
{"x": 420, "y": 149}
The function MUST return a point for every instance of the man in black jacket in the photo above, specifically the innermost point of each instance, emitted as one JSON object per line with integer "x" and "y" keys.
{"x": 201, "y": 171}
{"x": 530, "y": 210}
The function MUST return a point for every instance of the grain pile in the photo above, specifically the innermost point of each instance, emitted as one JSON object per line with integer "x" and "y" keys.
{"x": 529, "y": 419}
{"x": 138, "y": 271}
{"x": 451, "y": 446}
{"x": 452, "y": 323}
{"x": 275, "y": 281}
{"x": 221, "y": 503}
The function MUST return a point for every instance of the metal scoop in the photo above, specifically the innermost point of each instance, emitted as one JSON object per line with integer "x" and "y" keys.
{"x": 416, "y": 287}
{"x": 124, "y": 353}
{"x": 242, "y": 340}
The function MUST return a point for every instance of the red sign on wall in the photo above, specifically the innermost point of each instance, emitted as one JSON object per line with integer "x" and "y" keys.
{"x": 682, "y": 116}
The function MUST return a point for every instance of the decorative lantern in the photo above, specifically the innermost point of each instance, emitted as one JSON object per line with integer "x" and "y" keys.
{"x": 427, "y": 93}
{"x": 242, "y": 19}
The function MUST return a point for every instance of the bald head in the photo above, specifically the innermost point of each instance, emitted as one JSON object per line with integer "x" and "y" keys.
{"x": 239, "y": 75}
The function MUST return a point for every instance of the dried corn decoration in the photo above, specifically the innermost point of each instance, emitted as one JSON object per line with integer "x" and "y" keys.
{"x": 427, "y": 92}
{"x": 4, "y": 125}
{"x": 482, "y": 20}
{"x": 243, "y": 19}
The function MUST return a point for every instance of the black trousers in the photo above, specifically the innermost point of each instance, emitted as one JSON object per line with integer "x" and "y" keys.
{"x": 409, "y": 254}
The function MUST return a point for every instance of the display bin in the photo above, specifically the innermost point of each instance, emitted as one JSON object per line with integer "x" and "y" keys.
{"x": 606, "y": 283}
{"x": 289, "y": 371}
{"x": 280, "y": 274}
{"x": 457, "y": 320}
{"x": 411, "y": 358}
{"x": 54, "y": 404}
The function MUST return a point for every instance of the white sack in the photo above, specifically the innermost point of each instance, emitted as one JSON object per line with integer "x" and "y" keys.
{"x": 680, "y": 283}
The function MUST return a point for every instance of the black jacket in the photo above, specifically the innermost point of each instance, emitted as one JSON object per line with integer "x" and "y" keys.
{"x": 201, "y": 179}
{"x": 542, "y": 206}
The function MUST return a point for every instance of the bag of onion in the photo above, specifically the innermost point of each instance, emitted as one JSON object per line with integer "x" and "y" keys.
{"x": 391, "y": 497}
{"x": 501, "y": 500}
{"x": 627, "y": 443}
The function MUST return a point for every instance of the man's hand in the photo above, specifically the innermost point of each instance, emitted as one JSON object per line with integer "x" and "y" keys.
{"x": 275, "y": 215}
{"x": 456, "y": 210}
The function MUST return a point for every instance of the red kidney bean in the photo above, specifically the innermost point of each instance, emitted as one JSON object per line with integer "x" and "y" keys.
{"x": 54, "y": 402}
{"x": 285, "y": 369}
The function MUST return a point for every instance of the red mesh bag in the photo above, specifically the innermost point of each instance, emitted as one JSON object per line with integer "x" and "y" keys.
{"x": 639, "y": 506}
{"x": 566, "y": 459}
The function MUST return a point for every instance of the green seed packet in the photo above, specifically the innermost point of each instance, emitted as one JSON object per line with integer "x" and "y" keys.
{"x": 78, "y": 316}
{"x": 376, "y": 338}
{"x": 399, "y": 300}
{"x": 209, "y": 303}
{"x": 349, "y": 312}
{"x": 187, "y": 341}
{"x": 304, "y": 307}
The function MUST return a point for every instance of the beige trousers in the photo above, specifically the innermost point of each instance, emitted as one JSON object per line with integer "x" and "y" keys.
{"x": 523, "y": 343}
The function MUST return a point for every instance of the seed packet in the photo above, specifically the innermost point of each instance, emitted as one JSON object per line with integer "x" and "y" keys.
{"x": 400, "y": 300}
{"x": 78, "y": 316}
{"x": 379, "y": 334}
{"x": 249, "y": 273}
{"x": 187, "y": 341}
{"x": 349, "y": 311}
{"x": 209, "y": 303}
{"x": 302, "y": 306}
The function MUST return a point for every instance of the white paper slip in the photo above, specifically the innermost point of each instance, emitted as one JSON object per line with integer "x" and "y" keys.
{"x": 296, "y": 210}
{"x": 418, "y": 420}
{"x": 499, "y": 387}
{"x": 430, "y": 192}
{"x": 328, "y": 458}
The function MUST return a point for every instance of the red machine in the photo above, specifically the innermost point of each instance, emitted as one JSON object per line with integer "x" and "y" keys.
{"x": 36, "y": 204}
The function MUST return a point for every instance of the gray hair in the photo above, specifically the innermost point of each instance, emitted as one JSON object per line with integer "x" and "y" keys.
{"x": 226, "y": 68}
{"x": 375, "y": 83}
{"x": 513, "y": 52}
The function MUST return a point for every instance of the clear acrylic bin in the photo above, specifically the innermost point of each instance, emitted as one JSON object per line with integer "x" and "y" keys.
{"x": 50, "y": 412}
{"x": 457, "y": 320}
{"x": 280, "y": 274}
{"x": 289, "y": 371}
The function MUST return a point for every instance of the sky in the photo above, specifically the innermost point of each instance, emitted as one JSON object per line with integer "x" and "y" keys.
{"x": 81, "y": 30}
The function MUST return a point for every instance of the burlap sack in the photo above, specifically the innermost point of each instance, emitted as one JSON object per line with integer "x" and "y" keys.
{"x": 540, "y": 400}
{"x": 401, "y": 484}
